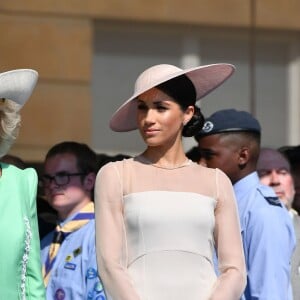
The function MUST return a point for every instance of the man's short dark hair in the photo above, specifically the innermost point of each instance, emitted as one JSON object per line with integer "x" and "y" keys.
{"x": 86, "y": 157}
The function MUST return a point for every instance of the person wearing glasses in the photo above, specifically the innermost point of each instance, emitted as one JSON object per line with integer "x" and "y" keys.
{"x": 20, "y": 265}
{"x": 68, "y": 253}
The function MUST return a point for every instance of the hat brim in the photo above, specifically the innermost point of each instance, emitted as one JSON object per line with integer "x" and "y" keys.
{"x": 204, "y": 78}
{"x": 18, "y": 85}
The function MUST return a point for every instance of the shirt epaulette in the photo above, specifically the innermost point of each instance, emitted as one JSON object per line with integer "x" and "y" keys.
{"x": 269, "y": 195}
{"x": 273, "y": 201}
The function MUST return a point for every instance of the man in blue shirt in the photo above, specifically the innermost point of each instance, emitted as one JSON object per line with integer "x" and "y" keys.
{"x": 274, "y": 170}
{"x": 68, "y": 253}
{"x": 230, "y": 141}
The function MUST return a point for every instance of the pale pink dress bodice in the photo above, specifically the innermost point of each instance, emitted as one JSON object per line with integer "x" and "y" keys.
{"x": 157, "y": 228}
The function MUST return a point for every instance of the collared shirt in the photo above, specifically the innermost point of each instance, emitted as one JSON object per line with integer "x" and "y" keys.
{"x": 74, "y": 274}
{"x": 268, "y": 240}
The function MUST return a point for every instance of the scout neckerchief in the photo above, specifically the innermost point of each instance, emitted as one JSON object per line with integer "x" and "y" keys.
{"x": 79, "y": 220}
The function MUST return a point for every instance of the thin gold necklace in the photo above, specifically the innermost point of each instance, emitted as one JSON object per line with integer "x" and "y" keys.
{"x": 184, "y": 164}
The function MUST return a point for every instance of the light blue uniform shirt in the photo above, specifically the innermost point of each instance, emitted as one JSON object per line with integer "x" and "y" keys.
{"x": 74, "y": 274}
{"x": 268, "y": 240}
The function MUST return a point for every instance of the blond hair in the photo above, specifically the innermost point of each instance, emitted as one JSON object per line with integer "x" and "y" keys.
{"x": 10, "y": 121}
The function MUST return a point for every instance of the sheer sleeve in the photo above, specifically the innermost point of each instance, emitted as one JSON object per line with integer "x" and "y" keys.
{"x": 110, "y": 235}
{"x": 232, "y": 280}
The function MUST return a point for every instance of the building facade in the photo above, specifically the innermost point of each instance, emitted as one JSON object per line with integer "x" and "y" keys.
{"x": 89, "y": 53}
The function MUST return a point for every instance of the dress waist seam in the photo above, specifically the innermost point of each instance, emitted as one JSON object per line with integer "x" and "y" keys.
{"x": 207, "y": 257}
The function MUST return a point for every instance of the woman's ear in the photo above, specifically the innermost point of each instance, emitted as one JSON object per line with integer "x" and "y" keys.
{"x": 188, "y": 114}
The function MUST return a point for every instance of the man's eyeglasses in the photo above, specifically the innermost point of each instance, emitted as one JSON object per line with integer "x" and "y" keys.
{"x": 60, "y": 179}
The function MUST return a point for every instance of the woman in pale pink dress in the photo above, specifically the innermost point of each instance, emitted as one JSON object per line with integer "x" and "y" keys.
{"x": 159, "y": 216}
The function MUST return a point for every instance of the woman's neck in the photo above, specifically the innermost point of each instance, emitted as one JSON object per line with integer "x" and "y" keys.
{"x": 170, "y": 158}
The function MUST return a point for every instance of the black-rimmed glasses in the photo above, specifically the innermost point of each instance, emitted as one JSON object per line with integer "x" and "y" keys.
{"x": 60, "y": 178}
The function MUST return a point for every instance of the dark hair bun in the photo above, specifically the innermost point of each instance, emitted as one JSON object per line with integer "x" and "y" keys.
{"x": 195, "y": 124}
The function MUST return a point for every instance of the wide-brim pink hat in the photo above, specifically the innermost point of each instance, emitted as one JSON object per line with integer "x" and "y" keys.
{"x": 204, "y": 78}
{"x": 17, "y": 85}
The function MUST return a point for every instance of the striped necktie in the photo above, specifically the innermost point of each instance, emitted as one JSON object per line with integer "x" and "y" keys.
{"x": 61, "y": 232}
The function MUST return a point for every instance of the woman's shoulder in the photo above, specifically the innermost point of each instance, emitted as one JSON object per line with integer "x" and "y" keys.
{"x": 19, "y": 182}
{"x": 11, "y": 169}
{"x": 115, "y": 166}
{"x": 213, "y": 174}
{"x": 26, "y": 179}
{"x": 203, "y": 169}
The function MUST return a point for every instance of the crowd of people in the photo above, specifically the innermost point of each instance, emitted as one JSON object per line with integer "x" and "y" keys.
{"x": 218, "y": 222}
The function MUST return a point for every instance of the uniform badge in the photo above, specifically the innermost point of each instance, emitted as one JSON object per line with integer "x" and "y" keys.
{"x": 208, "y": 126}
{"x": 77, "y": 251}
{"x": 68, "y": 258}
{"x": 91, "y": 273}
{"x": 70, "y": 266}
{"x": 59, "y": 294}
{"x": 98, "y": 288}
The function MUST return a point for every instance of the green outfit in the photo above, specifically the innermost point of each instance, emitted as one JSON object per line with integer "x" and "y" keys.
{"x": 20, "y": 266}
